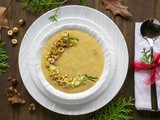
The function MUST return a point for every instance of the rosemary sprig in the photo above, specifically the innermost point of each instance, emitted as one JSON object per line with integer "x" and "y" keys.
{"x": 3, "y": 58}
{"x": 116, "y": 111}
{"x": 147, "y": 57}
{"x": 83, "y": 2}
{"x": 90, "y": 78}
{"x": 68, "y": 37}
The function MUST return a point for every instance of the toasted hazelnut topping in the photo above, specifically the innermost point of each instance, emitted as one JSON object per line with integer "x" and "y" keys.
{"x": 51, "y": 60}
{"x": 46, "y": 56}
{"x": 21, "y": 21}
{"x": 14, "y": 41}
{"x": 70, "y": 44}
{"x": 55, "y": 57}
{"x": 61, "y": 49}
{"x": 15, "y": 29}
{"x": 10, "y": 32}
{"x": 65, "y": 45}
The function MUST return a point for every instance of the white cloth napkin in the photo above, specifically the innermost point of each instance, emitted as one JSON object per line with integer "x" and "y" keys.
{"x": 142, "y": 91}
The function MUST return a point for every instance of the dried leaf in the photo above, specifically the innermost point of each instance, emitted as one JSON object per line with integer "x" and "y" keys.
{"x": 2, "y": 10}
{"x": 3, "y": 18}
{"x": 117, "y": 8}
{"x": 14, "y": 96}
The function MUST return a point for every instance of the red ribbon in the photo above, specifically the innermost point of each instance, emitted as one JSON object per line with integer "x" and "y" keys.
{"x": 154, "y": 75}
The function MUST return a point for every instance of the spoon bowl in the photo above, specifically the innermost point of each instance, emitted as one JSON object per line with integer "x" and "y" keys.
{"x": 150, "y": 28}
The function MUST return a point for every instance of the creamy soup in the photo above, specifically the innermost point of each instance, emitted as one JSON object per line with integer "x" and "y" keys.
{"x": 72, "y": 61}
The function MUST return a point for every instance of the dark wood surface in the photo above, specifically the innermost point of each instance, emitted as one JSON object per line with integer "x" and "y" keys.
{"x": 141, "y": 9}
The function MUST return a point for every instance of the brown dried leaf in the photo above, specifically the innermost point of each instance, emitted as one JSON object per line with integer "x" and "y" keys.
{"x": 117, "y": 8}
{"x": 3, "y": 18}
{"x": 14, "y": 96}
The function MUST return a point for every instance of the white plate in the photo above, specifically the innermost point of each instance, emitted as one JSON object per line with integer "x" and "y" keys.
{"x": 121, "y": 53}
{"x": 103, "y": 40}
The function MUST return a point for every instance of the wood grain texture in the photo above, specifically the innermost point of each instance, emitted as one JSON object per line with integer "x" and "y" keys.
{"x": 141, "y": 9}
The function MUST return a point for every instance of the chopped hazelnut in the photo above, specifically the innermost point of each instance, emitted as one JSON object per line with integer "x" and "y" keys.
{"x": 21, "y": 21}
{"x": 70, "y": 44}
{"x": 55, "y": 57}
{"x": 51, "y": 60}
{"x": 61, "y": 49}
{"x": 10, "y": 32}
{"x": 15, "y": 29}
{"x": 32, "y": 107}
{"x": 14, "y": 41}
{"x": 65, "y": 45}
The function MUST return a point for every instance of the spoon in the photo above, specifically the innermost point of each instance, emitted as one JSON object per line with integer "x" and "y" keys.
{"x": 150, "y": 31}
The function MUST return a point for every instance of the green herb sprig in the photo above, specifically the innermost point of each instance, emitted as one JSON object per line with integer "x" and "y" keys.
{"x": 90, "y": 78}
{"x": 54, "y": 16}
{"x": 3, "y": 58}
{"x": 147, "y": 57}
{"x": 83, "y": 2}
{"x": 68, "y": 37}
{"x": 116, "y": 111}
{"x": 34, "y": 6}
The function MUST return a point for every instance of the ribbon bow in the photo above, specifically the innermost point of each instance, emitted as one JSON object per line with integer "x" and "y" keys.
{"x": 154, "y": 75}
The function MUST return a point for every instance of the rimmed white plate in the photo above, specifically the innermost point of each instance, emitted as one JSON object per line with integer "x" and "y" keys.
{"x": 94, "y": 31}
{"x": 121, "y": 53}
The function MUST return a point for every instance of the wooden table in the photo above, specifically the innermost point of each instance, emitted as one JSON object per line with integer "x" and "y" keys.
{"x": 141, "y": 9}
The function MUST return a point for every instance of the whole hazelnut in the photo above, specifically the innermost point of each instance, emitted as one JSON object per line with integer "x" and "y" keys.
{"x": 21, "y": 21}
{"x": 32, "y": 107}
{"x": 14, "y": 82}
{"x": 9, "y": 78}
{"x": 14, "y": 41}
{"x": 10, "y": 32}
{"x": 15, "y": 30}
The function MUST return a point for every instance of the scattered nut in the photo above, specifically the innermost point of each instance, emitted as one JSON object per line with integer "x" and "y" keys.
{"x": 9, "y": 78}
{"x": 32, "y": 107}
{"x": 15, "y": 30}
{"x": 10, "y": 32}
{"x": 14, "y": 96}
{"x": 14, "y": 41}
{"x": 21, "y": 21}
{"x": 14, "y": 82}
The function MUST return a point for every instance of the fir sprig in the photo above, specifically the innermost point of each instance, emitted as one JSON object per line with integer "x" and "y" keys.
{"x": 147, "y": 57}
{"x": 3, "y": 58}
{"x": 54, "y": 16}
{"x": 116, "y": 111}
{"x": 40, "y": 5}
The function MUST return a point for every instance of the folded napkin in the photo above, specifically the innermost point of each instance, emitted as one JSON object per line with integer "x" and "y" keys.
{"x": 143, "y": 91}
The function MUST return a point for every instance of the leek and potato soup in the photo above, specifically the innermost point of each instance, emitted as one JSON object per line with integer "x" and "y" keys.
{"x": 72, "y": 61}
